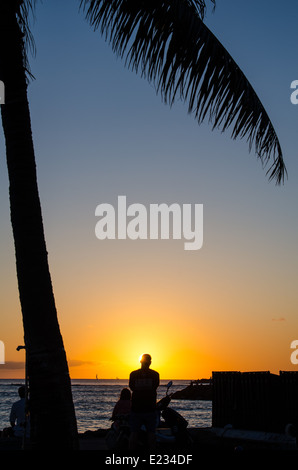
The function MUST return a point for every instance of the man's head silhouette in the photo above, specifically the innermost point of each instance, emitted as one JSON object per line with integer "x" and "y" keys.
{"x": 145, "y": 360}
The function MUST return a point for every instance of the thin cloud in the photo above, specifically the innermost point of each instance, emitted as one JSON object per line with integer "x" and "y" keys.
{"x": 12, "y": 365}
{"x": 78, "y": 363}
{"x": 15, "y": 365}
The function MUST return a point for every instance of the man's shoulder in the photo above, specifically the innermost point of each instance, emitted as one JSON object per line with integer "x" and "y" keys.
{"x": 134, "y": 374}
{"x": 17, "y": 403}
{"x": 154, "y": 372}
{"x": 142, "y": 372}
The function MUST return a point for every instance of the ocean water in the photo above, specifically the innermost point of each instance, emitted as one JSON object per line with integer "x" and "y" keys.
{"x": 94, "y": 401}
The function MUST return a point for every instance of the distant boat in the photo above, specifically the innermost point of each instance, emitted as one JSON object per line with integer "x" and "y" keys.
{"x": 96, "y": 377}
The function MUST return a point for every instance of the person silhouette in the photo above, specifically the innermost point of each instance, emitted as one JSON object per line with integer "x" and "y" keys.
{"x": 18, "y": 422}
{"x": 123, "y": 405}
{"x": 143, "y": 383}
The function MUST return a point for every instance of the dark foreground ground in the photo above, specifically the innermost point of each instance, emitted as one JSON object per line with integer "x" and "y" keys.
{"x": 204, "y": 440}
{"x": 209, "y": 439}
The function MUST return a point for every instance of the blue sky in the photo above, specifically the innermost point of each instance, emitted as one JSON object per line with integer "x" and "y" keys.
{"x": 101, "y": 131}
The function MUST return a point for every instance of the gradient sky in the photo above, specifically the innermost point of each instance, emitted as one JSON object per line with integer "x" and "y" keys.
{"x": 101, "y": 131}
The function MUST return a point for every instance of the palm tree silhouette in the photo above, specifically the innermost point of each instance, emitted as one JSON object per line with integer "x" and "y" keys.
{"x": 166, "y": 41}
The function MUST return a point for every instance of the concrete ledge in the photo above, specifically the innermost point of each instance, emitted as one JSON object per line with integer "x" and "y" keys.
{"x": 280, "y": 440}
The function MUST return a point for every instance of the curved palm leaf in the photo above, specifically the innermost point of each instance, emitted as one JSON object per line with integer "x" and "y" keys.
{"x": 169, "y": 43}
{"x": 24, "y": 10}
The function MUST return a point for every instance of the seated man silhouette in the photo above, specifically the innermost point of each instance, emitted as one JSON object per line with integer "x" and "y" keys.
{"x": 143, "y": 383}
{"x": 18, "y": 416}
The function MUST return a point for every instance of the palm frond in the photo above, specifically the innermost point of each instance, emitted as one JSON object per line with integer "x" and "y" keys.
{"x": 24, "y": 11}
{"x": 168, "y": 42}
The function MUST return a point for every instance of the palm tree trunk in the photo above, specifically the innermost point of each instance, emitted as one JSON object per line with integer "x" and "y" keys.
{"x": 52, "y": 416}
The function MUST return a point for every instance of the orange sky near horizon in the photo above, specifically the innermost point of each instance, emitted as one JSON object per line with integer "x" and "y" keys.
{"x": 191, "y": 326}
